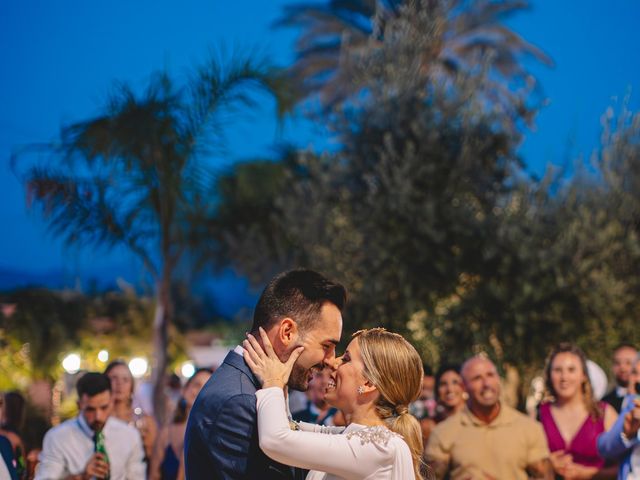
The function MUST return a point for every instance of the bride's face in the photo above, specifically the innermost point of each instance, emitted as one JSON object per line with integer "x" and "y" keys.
{"x": 345, "y": 378}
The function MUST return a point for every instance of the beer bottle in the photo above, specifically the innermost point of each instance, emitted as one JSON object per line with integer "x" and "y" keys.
{"x": 99, "y": 447}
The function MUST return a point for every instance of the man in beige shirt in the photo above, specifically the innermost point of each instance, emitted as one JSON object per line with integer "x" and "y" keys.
{"x": 487, "y": 440}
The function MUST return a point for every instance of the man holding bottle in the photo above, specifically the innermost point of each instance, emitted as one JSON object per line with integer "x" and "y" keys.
{"x": 93, "y": 444}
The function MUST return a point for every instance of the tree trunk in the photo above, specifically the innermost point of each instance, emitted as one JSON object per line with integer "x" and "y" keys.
{"x": 163, "y": 316}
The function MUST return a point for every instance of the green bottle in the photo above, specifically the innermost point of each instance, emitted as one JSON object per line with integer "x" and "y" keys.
{"x": 101, "y": 448}
{"x": 21, "y": 468}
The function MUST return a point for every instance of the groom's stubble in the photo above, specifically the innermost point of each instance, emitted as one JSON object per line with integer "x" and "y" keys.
{"x": 299, "y": 378}
{"x": 319, "y": 342}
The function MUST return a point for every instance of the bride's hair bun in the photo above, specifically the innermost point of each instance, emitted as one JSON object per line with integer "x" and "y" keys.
{"x": 402, "y": 409}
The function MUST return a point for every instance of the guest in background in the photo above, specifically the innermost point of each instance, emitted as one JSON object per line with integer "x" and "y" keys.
{"x": 317, "y": 410}
{"x": 36, "y": 426}
{"x": 71, "y": 451}
{"x": 425, "y": 405}
{"x": 167, "y": 462}
{"x": 173, "y": 392}
{"x": 573, "y": 419}
{"x": 122, "y": 386}
{"x": 13, "y": 408}
{"x": 11, "y": 421}
{"x": 624, "y": 357}
{"x": 487, "y": 439}
{"x": 622, "y": 441}
{"x": 450, "y": 393}
{"x": 424, "y": 408}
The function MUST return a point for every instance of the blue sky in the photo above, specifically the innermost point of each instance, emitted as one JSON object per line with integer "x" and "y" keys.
{"x": 60, "y": 58}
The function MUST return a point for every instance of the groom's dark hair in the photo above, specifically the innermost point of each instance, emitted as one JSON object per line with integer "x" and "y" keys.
{"x": 298, "y": 294}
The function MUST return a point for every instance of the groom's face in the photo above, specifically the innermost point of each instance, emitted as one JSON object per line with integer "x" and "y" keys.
{"x": 319, "y": 347}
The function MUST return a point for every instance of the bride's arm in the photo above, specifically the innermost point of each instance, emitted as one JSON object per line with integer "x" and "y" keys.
{"x": 336, "y": 454}
{"x": 326, "y": 429}
{"x": 341, "y": 455}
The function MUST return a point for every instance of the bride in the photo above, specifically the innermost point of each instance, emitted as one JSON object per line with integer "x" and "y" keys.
{"x": 373, "y": 383}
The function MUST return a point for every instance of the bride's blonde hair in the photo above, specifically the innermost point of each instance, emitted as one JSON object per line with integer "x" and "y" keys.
{"x": 394, "y": 367}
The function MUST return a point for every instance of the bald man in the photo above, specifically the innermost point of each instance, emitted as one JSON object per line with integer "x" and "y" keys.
{"x": 487, "y": 440}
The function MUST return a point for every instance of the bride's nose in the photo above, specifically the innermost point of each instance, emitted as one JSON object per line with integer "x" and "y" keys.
{"x": 336, "y": 363}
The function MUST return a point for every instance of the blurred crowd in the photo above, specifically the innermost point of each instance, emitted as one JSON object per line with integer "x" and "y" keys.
{"x": 470, "y": 432}
{"x": 469, "y": 429}
{"x": 112, "y": 436}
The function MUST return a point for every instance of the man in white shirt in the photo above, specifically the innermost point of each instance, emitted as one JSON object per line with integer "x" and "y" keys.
{"x": 69, "y": 450}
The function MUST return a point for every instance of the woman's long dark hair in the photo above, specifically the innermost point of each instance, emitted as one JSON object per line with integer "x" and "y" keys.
{"x": 13, "y": 412}
{"x": 182, "y": 411}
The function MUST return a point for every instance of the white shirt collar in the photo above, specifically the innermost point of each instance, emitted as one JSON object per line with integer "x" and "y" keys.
{"x": 240, "y": 351}
{"x": 86, "y": 429}
{"x": 621, "y": 391}
{"x": 4, "y": 470}
{"x": 84, "y": 426}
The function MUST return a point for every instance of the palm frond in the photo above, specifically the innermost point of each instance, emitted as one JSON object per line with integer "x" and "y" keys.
{"x": 454, "y": 35}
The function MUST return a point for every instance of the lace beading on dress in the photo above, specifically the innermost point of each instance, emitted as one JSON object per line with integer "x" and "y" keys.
{"x": 377, "y": 434}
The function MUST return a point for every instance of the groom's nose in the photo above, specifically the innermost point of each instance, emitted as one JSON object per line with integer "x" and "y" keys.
{"x": 329, "y": 357}
{"x": 335, "y": 363}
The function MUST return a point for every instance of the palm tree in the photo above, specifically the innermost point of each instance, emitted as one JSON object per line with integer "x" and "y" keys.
{"x": 133, "y": 176}
{"x": 455, "y": 36}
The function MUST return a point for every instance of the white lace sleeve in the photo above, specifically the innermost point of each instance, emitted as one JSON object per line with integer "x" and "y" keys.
{"x": 359, "y": 454}
{"x": 312, "y": 427}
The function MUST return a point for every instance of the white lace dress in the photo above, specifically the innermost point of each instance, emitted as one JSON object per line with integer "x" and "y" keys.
{"x": 354, "y": 453}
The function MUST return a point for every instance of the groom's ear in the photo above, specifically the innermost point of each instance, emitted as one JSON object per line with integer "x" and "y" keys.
{"x": 287, "y": 333}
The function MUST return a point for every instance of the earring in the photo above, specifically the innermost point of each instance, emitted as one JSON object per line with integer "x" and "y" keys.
{"x": 360, "y": 390}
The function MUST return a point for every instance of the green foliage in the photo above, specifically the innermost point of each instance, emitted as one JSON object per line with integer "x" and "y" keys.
{"x": 425, "y": 213}
{"x": 46, "y": 325}
{"x": 344, "y": 44}
{"x": 43, "y": 324}
{"x": 245, "y": 225}
{"x": 133, "y": 176}
{"x": 15, "y": 365}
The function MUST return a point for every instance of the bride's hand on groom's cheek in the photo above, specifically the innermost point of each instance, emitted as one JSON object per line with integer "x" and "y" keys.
{"x": 265, "y": 364}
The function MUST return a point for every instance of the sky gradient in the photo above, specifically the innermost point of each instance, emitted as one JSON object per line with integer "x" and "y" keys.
{"x": 60, "y": 58}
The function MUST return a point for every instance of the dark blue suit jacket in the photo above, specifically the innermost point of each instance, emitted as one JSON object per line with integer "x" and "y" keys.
{"x": 221, "y": 440}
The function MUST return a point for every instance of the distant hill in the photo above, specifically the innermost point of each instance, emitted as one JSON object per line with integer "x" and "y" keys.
{"x": 230, "y": 294}
{"x": 11, "y": 279}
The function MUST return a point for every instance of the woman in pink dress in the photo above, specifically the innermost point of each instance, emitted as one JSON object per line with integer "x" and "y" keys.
{"x": 573, "y": 419}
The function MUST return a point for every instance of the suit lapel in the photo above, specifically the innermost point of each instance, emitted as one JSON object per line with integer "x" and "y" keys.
{"x": 236, "y": 361}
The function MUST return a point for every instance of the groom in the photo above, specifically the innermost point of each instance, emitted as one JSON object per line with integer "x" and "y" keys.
{"x": 299, "y": 307}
